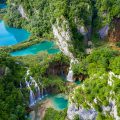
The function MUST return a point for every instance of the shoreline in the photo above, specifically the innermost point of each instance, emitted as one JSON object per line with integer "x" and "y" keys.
{"x": 39, "y": 110}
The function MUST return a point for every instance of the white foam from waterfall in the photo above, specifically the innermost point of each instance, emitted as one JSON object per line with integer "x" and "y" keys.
{"x": 38, "y": 94}
{"x": 32, "y": 98}
{"x": 70, "y": 76}
{"x": 70, "y": 73}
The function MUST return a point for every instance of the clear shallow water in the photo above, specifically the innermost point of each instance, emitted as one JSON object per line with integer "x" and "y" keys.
{"x": 11, "y": 36}
{"x": 34, "y": 49}
{"x": 59, "y": 102}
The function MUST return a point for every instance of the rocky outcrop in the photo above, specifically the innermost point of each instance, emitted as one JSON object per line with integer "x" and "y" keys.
{"x": 22, "y": 12}
{"x": 103, "y": 32}
{"x": 114, "y": 32}
{"x": 91, "y": 114}
{"x": 83, "y": 114}
{"x": 57, "y": 69}
{"x": 62, "y": 33}
{"x": 86, "y": 32}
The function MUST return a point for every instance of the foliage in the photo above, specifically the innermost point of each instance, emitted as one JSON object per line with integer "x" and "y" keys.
{"x": 97, "y": 62}
{"x": 52, "y": 114}
{"x": 118, "y": 44}
{"x": 115, "y": 65}
{"x": 12, "y": 106}
{"x": 108, "y": 10}
{"x": 76, "y": 117}
{"x": 96, "y": 88}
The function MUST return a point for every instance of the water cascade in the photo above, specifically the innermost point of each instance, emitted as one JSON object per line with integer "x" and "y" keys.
{"x": 32, "y": 96}
{"x": 70, "y": 73}
{"x": 38, "y": 94}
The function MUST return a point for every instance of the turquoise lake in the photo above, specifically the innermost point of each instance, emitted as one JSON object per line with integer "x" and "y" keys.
{"x": 59, "y": 101}
{"x": 11, "y": 36}
{"x": 2, "y": 6}
{"x": 47, "y": 46}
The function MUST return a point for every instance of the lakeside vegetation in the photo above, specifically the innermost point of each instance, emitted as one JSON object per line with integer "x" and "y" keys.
{"x": 96, "y": 67}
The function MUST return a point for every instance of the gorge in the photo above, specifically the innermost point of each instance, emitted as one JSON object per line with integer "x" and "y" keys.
{"x": 59, "y": 60}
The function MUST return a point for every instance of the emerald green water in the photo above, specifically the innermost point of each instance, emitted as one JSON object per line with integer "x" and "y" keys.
{"x": 59, "y": 102}
{"x": 47, "y": 46}
{"x": 77, "y": 82}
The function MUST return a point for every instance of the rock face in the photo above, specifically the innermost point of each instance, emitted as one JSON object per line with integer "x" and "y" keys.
{"x": 86, "y": 32}
{"x": 62, "y": 33}
{"x": 22, "y": 12}
{"x": 91, "y": 114}
{"x": 114, "y": 32}
{"x": 103, "y": 32}
{"x": 63, "y": 37}
{"x": 57, "y": 69}
{"x": 83, "y": 114}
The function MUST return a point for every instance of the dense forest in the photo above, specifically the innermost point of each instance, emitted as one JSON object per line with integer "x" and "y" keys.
{"x": 87, "y": 33}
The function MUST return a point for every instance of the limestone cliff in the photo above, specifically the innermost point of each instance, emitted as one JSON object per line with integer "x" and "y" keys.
{"x": 114, "y": 32}
{"x": 76, "y": 106}
{"x": 63, "y": 37}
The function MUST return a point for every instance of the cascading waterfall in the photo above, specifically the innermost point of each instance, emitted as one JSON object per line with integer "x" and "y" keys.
{"x": 32, "y": 98}
{"x": 38, "y": 96}
{"x": 39, "y": 93}
{"x": 70, "y": 75}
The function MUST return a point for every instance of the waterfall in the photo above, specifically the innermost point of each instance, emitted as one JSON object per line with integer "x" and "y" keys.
{"x": 70, "y": 73}
{"x": 38, "y": 94}
{"x": 32, "y": 96}
{"x": 70, "y": 76}
{"x": 27, "y": 84}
